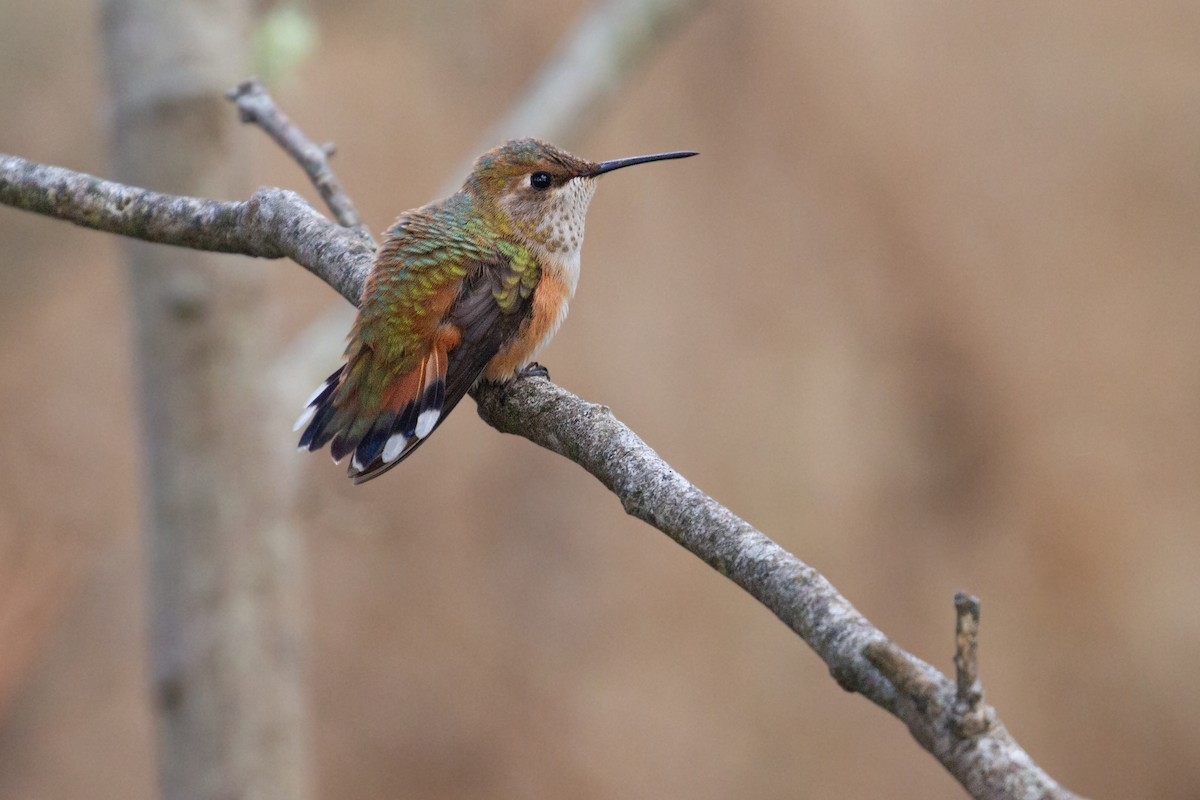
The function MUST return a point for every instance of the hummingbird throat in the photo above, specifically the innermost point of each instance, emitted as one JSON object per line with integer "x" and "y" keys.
{"x": 557, "y": 230}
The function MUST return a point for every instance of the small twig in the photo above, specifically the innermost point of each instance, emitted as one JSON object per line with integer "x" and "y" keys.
{"x": 256, "y": 106}
{"x": 972, "y": 716}
{"x": 926, "y": 688}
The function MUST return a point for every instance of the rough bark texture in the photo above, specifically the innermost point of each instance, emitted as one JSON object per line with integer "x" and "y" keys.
{"x": 273, "y": 223}
{"x": 225, "y": 573}
{"x": 990, "y": 764}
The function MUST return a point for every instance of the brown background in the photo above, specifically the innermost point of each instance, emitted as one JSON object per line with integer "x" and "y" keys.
{"x": 925, "y": 311}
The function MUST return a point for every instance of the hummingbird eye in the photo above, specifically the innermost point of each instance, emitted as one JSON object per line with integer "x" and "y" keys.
{"x": 540, "y": 180}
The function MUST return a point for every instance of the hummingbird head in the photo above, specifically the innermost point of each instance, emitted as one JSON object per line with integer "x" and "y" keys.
{"x": 545, "y": 190}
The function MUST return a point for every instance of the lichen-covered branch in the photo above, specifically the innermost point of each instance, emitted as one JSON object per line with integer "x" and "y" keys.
{"x": 988, "y": 762}
{"x": 960, "y": 730}
{"x": 273, "y": 223}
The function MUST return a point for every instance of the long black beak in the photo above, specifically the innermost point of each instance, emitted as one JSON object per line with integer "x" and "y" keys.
{"x": 609, "y": 166}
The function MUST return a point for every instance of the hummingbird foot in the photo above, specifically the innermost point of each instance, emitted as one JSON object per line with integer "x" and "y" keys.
{"x": 533, "y": 370}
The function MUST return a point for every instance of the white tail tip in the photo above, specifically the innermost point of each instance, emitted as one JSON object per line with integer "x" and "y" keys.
{"x": 394, "y": 447}
{"x": 316, "y": 393}
{"x": 426, "y": 421}
{"x": 304, "y": 418}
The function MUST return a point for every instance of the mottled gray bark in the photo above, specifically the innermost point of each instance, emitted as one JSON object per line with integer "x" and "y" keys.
{"x": 273, "y": 223}
{"x": 226, "y": 588}
{"x": 947, "y": 717}
{"x": 961, "y": 732}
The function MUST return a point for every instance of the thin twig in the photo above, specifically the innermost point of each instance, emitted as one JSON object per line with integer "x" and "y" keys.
{"x": 255, "y": 105}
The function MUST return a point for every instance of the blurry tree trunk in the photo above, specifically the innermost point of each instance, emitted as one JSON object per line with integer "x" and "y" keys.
{"x": 224, "y": 567}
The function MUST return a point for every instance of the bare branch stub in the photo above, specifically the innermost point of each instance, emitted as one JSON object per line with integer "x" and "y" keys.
{"x": 963, "y": 710}
{"x": 971, "y": 714}
{"x": 256, "y": 106}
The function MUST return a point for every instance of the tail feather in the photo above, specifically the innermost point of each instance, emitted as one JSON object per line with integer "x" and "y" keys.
{"x": 317, "y": 411}
{"x": 379, "y": 428}
{"x": 340, "y": 445}
{"x": 373, "y": 444}
{"x": 391, "y": 441}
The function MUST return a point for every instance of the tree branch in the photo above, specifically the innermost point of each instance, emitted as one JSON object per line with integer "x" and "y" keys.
{"x": 273, "y": 223}
{"x": 984, "y": 758}
{"x": 952, "y": 724}
{"x": 255, "y": 106}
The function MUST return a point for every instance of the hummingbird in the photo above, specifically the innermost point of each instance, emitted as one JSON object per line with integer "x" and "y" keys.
{"x": 465, "y": 289}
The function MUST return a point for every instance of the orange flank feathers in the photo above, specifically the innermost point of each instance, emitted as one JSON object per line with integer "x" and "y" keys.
{"x": 548, "y": 310}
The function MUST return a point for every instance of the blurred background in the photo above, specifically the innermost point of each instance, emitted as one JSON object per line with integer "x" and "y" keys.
{"x": 924, "y": 311}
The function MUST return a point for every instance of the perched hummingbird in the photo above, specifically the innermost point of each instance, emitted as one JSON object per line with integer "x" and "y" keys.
{"x": 467, "y": 288}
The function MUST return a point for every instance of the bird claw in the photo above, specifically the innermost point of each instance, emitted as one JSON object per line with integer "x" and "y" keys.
{"x": 533, "y": 370}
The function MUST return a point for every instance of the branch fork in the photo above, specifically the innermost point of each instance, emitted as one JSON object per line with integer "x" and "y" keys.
{"x": 255, "y": 106}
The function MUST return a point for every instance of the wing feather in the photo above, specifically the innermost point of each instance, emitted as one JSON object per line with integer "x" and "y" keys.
{"x": 481, "y": 329}
{"x": 439, "y": 303}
